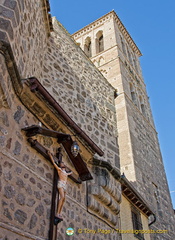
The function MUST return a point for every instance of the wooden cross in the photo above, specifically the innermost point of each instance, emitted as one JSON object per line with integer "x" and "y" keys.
{"x": 80, "y": 166}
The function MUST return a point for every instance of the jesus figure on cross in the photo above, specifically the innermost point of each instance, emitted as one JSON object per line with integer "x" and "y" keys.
{"x": 62, "y": 184}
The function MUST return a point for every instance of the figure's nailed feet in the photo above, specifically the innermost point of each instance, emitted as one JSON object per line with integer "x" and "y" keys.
{"x": 57, "y": 220}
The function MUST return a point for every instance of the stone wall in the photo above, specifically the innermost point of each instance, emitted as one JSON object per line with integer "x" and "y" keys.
{"x": 148, "y": 159}
{"x": 23, "y": 25}
{"x": 144, "y": 165}
{"x": 82, "y": 91}
{"x": 141, "y": 160}
{"x": 26, "y": 182}
{"x": 25, "y": 178}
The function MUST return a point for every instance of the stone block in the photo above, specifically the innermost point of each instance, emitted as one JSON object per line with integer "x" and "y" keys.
{"x": 7, "y": 27}
{"x": 18, "y": 114}
{"x": 39, "y": 210}
{"x": 33, "y": 221}
{"x": 31, "y": 202}
{"x": 7, "y": 213}
{"x": 20, "y": 216}
{"x": 20, "y": 199}
{"x": 9, "y": 191}
{"x": 4, "y": 36}
{"x": 2, "y": 141}
{"x": 8, "y": 13}
{"x": 17, "y": 148}
{"x": 10, "y": 4}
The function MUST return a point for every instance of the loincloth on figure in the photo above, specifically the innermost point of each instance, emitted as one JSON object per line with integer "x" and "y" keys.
{"x": 62, "y": 184}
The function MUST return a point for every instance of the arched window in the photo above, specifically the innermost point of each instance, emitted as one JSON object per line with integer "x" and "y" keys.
{"x": 99, "y": 42}
{"x": 142, "y": 106}
{"x": 88, "y": 47}
{"x": 133, "y": 95}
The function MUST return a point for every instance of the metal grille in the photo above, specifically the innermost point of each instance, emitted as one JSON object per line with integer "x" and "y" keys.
{"x": 137, "y": 225}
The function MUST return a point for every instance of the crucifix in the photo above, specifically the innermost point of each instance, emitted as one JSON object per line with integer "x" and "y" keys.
{"x": 60, "y": 173}
{"x": 62, "y": 185}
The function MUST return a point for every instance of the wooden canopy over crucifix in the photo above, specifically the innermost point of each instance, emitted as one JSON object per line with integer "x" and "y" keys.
{"x": 66, "y": 141}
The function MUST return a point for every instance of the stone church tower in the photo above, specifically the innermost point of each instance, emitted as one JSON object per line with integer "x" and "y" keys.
{"x": 110, "y": 47}
{"x": 51, "y": 96}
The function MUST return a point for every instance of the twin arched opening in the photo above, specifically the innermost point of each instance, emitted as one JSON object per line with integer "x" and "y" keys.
{"x": 98, "y": 46}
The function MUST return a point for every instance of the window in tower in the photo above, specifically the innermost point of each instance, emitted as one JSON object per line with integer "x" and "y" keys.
{"x": 99, "y": 42}
{"x": 129, "y": 56}
{"x": 137, "y": 223}
{"x": 135, "y": 64}
{"x": 142, "y": 105}
{"x": 133, "y": 95}
{"x": 123, "y": 46}
{"x": 88, "y": 47}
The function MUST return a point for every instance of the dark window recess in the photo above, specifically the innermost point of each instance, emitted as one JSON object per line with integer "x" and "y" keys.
{"x": 101, "y": 44}
{"x": 88, "y": 47}
{"x": 137, "y": 224}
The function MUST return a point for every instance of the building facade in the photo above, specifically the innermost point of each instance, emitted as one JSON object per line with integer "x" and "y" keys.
{"x": 116, "y": 55}
{"x": 46, "y": 80}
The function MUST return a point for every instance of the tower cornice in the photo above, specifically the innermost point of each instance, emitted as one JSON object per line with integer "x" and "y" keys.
{"x": 101, "y": 21}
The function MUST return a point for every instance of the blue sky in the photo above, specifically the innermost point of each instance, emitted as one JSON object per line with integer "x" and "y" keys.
{"x": 151, "y": 23}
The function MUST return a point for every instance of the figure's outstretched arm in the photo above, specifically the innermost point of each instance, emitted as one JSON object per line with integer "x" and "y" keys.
{"x": 69, "y": 173}
{"x": 51, "y": 158}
